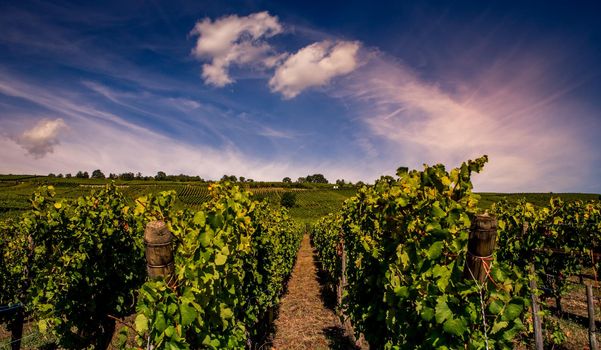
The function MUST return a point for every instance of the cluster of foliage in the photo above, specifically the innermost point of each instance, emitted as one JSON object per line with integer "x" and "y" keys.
{"x": 406, "y": 240}
{"x": 555, "y": 241}
{"x": 73, "y": 263}
{"x": 326, "y": 237}
{"x": 231, "y": 260}
{"x": 288, "y": 199}
{"x": 535, "y": 235}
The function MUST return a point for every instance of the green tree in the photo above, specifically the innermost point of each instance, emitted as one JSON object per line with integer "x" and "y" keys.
{"x": 82, "y": 175}
{"x": 230, "y": 178}
{"x": 160, "y": 176}
{"x": 127, "y": 176}
{"x": 97, "y": 174}
{"x": 317, "y": 179}
{"x": 287, "y": 180}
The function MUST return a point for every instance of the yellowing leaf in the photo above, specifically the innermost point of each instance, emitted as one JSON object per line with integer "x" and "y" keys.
{"x": 226, "y": 313}
{"x": 141, "y": 323}
{"x": 42, "y": 326}
{"x": 220, "y": 259}
{"x": 498, "y": 326}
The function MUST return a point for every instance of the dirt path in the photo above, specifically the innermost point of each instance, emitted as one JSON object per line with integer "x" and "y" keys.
{"x": 304, "y": 322}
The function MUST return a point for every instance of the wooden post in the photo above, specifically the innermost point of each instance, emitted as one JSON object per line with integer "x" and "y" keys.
{"x": 16, "y": 328}
{"x": 524, "y": 230}
{"x": 159, "y": 251}
{"x": 348, "y": 326}
{"x": 480, "y": 247}
{"x": 538, "y": 325}
{"x": 592, "y": 340}
{"x": 342, "y": 282}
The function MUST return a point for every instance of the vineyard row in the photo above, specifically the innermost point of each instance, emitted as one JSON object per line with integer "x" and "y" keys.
{"x": 406, "y": 241}
{"x": 78, "y": 266}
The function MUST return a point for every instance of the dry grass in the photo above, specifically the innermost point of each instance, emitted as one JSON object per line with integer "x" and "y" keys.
{"x": 304, "y": 322}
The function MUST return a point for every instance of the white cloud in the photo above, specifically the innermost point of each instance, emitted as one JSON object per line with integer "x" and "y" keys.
{"x": 41, "y": 139}
{"x": 314, "y": 65}
{"x": 235, "y": 40}
{"x": 241, "y": 41}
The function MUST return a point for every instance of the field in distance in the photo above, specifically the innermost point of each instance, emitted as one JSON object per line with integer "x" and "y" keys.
{"x": 312, "y": 200}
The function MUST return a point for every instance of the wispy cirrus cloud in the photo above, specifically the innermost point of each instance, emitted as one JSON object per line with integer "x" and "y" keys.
{"x": 57, "y": 102}
{"x": 203, "y": 122}
{"x": 512, "y": 121}
{"x": 95, "y": 142}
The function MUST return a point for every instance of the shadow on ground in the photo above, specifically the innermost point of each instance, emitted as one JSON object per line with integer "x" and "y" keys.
{"x": 336, "y": 336}
{"x": 578, "y": 319}
{"x": 338, "y": 339}
{"x": 327, "y": 291}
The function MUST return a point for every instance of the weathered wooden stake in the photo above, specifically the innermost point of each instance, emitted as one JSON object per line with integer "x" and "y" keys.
{"x": 16, "y": 329}
{"x": 159, "y": 251}
{"x": 343, "y": 267}
{"x": 342, "y": 282}
{"x": 481, "y": 244}
{"x": 270, "y": 315}
{"x": 558, "y": 302}
{"x": 592, "y": 340}
{"x": 538, "y": 326}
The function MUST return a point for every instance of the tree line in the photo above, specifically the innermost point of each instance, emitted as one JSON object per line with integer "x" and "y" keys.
{"x": 162, "y": 176}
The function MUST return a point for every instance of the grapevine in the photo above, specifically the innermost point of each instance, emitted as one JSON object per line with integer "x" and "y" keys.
{"x": 406, "y": 240}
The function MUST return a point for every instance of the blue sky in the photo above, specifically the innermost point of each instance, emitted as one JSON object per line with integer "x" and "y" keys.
{"x": 271, "y": 89}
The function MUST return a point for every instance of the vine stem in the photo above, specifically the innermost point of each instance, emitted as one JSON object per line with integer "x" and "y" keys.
{"x": 482, "y": 308}
{"x": 122, "y": 322}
